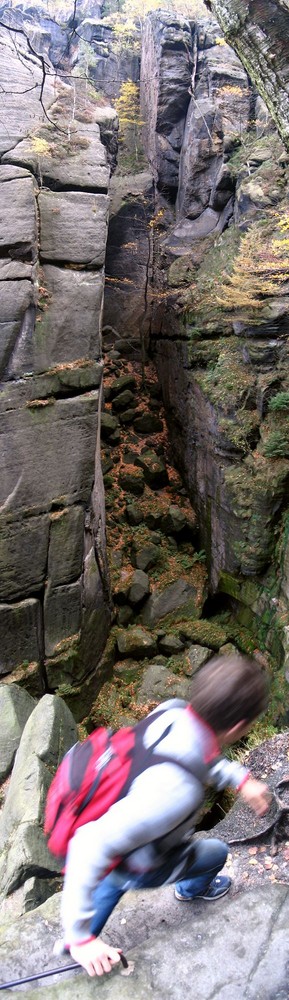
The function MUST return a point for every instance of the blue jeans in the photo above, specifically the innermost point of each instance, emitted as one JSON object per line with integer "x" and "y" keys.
{"x": 209, "y": 857}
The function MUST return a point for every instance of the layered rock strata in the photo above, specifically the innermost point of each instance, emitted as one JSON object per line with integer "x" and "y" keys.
{"x": 54, "y": 173}
{"x": 259, "y": 34}
{"x": 220, "y": 367}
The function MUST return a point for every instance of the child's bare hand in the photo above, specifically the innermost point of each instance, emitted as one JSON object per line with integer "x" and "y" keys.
{"x": 95, "y": 956}
{"x": 257, "y": 795}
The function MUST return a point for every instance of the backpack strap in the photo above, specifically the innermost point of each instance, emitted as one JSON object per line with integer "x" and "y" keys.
{"x": 144, "y": 757}
{"x": 102, "y": 763}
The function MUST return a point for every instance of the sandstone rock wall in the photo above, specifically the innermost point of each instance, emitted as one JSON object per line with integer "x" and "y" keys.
{"x": 55, "y": 610}
{"x": 219, "y": 370}
{"x": 258, "y": 32}
{"x": 166, "y": 70}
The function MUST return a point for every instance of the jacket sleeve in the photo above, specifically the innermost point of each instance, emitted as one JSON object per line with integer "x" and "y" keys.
{"x": 225, "y": 773}
{"x": 160, "y": 798}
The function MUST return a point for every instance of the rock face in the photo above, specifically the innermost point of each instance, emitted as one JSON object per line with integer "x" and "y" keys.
{"x": 128, "y": 265}
{"x": 216, "y": 170}
{"x": 166, "y": 71}
{"x": 220, "y": 367}
{"x": 16, "y": 705}
{"x": 54, "y": 586}
{"x": 47, "y": 734}
{"x": 259, "y": 34}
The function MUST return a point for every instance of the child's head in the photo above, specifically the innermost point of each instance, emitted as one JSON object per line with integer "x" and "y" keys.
{"x": 229, "y": 691}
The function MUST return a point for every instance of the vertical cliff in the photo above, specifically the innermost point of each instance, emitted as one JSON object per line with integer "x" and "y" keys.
{"x": 55, "y": 605}
{"x": 220, "y": 325}
{"x": 258, "y": 32}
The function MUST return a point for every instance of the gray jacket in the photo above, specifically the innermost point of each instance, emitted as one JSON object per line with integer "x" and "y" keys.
{"x": 157, "y": 815}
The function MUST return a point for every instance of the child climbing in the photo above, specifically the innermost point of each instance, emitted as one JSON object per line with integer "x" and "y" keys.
{"x": 144, "y": 840}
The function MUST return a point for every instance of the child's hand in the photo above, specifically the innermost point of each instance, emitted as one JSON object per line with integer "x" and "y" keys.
{"x": 257, "y": 795}
{"x": 95, "y": 956}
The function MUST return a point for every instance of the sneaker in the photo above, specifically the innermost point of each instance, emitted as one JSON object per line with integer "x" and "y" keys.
{"x": 218, "y": 887}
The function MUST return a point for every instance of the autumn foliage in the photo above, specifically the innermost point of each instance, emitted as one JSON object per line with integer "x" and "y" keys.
{"x": 261, "y": 266}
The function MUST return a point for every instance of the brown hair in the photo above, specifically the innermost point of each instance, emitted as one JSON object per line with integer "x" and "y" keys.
{"x": 229, "y": 689}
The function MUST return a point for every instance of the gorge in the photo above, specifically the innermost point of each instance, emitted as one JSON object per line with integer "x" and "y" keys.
{"x": 144, "y": 374}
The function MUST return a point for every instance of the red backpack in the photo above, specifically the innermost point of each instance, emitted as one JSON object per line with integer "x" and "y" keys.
{"x": 92, "y": 776}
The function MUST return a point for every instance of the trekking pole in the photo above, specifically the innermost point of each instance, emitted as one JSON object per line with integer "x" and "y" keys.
{"x": 52, "y": 972}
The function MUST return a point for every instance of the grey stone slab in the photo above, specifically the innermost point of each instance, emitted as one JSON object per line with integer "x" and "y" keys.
{"x": 159, "y": 683}
{"x": 49, "y": 732}
{"x": 179, "y": 594}
{"x": 16, "y": 306}
{"x": 20, "y": 108}
{"x": 66, "y": 541}
{"x": 18, "y": 213}
{"x": 69, "y": 327}
{"x": 9, "y": 172}
{"x": 238, "y": 948}
{"x": 15, "y": 707}
{"x": 13, "y": 269}
{"x": 20, "y": 634}
{"x": 73, "y": 226}
{"x": 62, "y": 380}
{"x": 8, "y": 337}
{"x": 23, "y": 556}
{"x": 62, "y": 614}
{"x": 16, "y": 296}
{"x": 48, "y": 452}
{"x": 76, "y": 162}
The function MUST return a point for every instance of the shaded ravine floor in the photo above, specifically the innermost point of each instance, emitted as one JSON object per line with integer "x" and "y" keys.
{"x": 233, "y": 949}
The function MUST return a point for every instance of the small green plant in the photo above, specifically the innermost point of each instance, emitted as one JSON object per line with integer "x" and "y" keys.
{"x": 199, "y": 557}
{"x": 279, "y": 402}
{"x": 277, "y": 445}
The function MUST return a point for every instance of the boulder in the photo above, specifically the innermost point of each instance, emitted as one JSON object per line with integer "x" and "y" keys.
{"x": 124, "y": 382}
{"x": 109, "y": 425}
{"x": 49, "y": 732}
{"x": 148, "y": 423}
{"x": 127, "y": 417}
{"x": 134, "y": 515}
{"x": 169, "y": 645}
{"x": 146, "y": 557}
{"x": 174, "y": 521}
{"x": 139, "y": 587}
{"x": 154, "y": 469}
{"x": 159, "y": 684}
{"x": 196, "y": 656}
{"x": 178, "y": 595}
{"x": 16, "y": 706}
{"x": 131, "y": 480}
{"x": 136, "y": 642}
{"x": 124, "y": 615}
{"x": 123, "y": 401}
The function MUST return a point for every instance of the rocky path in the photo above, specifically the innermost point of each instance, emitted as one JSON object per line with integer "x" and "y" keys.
{"x": 157, "y": 567}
